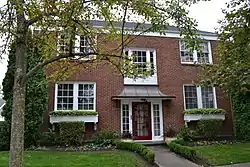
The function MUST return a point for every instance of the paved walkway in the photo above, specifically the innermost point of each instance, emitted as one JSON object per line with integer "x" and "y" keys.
{"x": 166, "y": 158}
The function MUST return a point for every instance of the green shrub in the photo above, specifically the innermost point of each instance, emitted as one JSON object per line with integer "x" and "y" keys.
{"x": 47, "y": 139}
{"x": 205, "y": 111}
{"x": 106, "y": 138}
{"x": 4, "y": 136}
{"x": 138, "y": 148}
{"x": 186, "y": 134}
{"x": 74, "y": 113}
{"x": 209, "y": 128}
{"x": 185, "y": 151}
{"x": 71, "y": 133}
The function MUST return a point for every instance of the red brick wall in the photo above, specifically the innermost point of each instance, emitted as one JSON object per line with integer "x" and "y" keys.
{"x": 171, "y": 77}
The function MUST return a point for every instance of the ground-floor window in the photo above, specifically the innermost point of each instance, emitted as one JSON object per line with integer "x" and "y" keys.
{"x": 199, "y": 97}
{"x": 125, "y": 119}
{"x": 156, "y": 115}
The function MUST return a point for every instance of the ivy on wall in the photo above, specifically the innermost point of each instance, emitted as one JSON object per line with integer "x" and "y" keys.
{"x": 36, "y": 95}
{"x": 241, "y": 106}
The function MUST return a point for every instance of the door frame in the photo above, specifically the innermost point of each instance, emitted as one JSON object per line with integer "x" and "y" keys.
{"x": 135, "y": 137}
{"x": 153, "y": 101}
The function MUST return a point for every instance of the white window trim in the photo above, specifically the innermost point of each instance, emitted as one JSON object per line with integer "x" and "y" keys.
{"x": 147, "y": 50}
{"x": 199, "y": 96}
{"x": 75, "y": 95}
{"x": 195, "y": 58}
{"x": 77, "y": 47}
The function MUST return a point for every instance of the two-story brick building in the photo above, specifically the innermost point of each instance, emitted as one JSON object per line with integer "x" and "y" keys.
{"x": 146, "y": 107}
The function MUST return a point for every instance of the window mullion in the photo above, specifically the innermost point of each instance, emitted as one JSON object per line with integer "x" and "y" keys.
{"x": 195, "y": 56}
{"x": 199, "y": 97}
{"x": 75, "y": 96}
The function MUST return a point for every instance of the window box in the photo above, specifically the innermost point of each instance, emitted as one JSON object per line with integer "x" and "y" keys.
{"x": 196, "y": 117}
{"x": 73, "y": 116}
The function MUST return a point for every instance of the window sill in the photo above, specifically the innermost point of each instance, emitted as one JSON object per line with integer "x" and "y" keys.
{"x": 194, "y": 64}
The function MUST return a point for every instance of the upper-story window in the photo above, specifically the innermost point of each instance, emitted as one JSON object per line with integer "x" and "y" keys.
{"x": 199, "y": 97}
{"x": 145, "y": 61}
{"x": 81, "y": 45}
{"x": 204, "y": 56}
{"x": 75, "y": 96}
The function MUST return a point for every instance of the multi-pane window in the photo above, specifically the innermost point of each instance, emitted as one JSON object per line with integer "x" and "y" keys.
{"x": 85, "y": 97}
{"x": 63, "y": 43}
{"x": 125, "y": 118}
{"x": 186, "y": 55}
{"x": 156, "y": 114}
{"x": 85, "y": 45}
{"x": 75, "y": 96}
{"x": 201, "y": 57}
{"x": 199, "y": 97}
{"x": 144, "y": 59}
{"x": 207, "y": 94}
{"x": 140, "y": 59}
{"x": 190, "y": 97}
{"x": 65, "y": 97}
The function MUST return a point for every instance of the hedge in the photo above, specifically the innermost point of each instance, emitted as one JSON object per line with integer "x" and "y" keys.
{"x": 71, "y": 133}
{"x": 205, "y": 111}
{"x": 138, "y": 148}
{"x": 185, "y": 151}
{"x": 209, "y": 128}
{"x": 74, "y": 113}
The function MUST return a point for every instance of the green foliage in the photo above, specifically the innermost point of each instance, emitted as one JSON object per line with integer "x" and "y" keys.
{"x": 106, "y": 138}
{"x": 241, "y": 104}
{"x": 4, "y": 136}
{"x": 47, "y": 139}
{"x": 36, "y": 95}
{"x": 205, "y": 111}
{"x": 185, "y": 151}
{"x": 74, "y": 113}
{"x": 71, "y": 133}
{"x": 209, "y": 128}
{"x": 138, "y": 148}
{"x": 232, "y": 67}
{"x": 186, "y": 134}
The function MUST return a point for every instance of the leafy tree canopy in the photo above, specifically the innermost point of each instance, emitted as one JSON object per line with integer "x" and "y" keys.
{"x": 231, "y": 69}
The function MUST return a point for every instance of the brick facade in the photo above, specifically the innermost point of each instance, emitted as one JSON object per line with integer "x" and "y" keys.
{"x": 171, "y": 77}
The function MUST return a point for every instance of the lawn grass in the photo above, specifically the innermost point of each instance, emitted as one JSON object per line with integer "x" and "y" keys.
{"x": 225, "y": 154}
{"x": 78, "y": 159}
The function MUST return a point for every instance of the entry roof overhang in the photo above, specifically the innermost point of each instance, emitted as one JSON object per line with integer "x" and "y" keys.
{"x": 142, "y": 92}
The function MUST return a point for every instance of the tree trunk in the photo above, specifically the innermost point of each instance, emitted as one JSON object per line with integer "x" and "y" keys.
{"x": 18, "y": 108}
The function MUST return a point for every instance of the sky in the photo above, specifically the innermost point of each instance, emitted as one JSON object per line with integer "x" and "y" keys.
{"x": 206, "y": 14}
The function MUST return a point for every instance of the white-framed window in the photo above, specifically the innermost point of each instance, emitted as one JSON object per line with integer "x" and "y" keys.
{"x": 156, "y": 115}
{"x": 203, "y": 57}
{"x": 81, "y": 45}
{"x": 63, "y": 43}
{"x": 125, "y": 118}
{"x": 145, "y": 59}
{"x": 75, "y": 96}
{"x": 199, "y": 97}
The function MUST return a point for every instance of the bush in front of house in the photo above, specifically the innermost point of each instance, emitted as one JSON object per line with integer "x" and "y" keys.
{"x": 48, "y": 139}
{"x": 105, "y": 138}
{"x": 209, "y": 128}
{"x": 205, "y": 111}
{"x": 186, "y": 134}
{"x": 138, "y": 148}
{"x": 71, "y": 133}
{"x": 178, "y": 147}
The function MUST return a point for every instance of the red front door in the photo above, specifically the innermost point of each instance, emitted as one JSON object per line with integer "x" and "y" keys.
{"x": 141, "y": 121}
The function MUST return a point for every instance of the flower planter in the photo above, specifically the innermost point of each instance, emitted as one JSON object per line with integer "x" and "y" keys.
{"x": 196, "y": 117}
